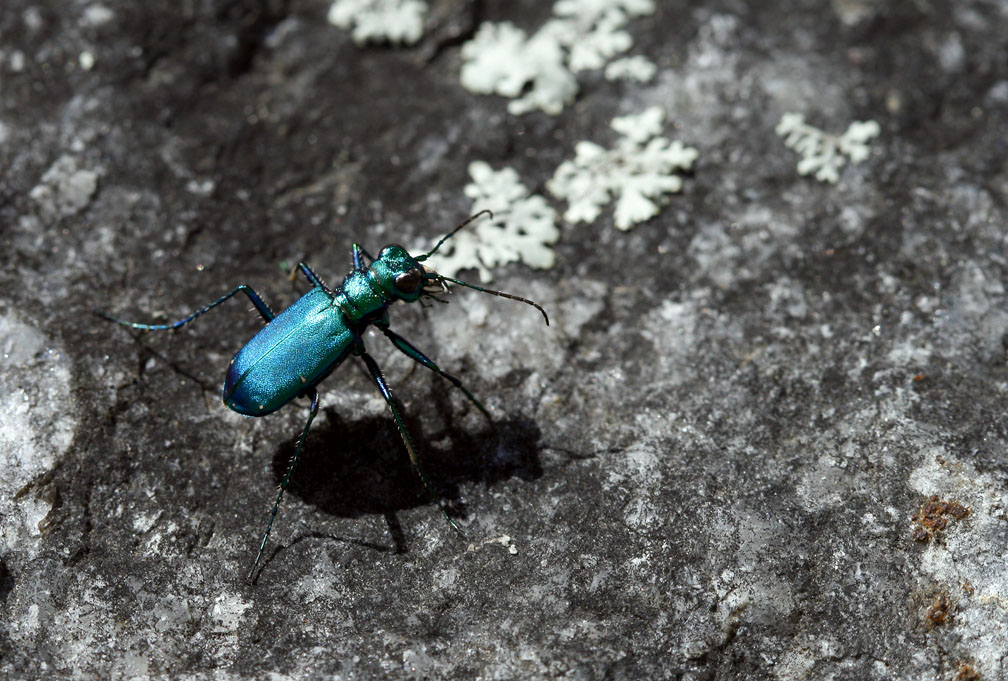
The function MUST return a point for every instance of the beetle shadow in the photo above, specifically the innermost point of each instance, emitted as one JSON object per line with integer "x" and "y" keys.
{"x": 351, "y": 468}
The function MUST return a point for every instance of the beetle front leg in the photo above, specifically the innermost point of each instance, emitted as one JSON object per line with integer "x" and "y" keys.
{"x": 358, "y": 257}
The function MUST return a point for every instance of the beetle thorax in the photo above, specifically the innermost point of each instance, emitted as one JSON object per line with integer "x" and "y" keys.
{"x": 361, "y": 298}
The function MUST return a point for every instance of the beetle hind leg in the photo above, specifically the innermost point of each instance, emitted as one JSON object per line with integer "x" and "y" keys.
{"x": 285, "y": 482}
{"x": 376, "y": 376}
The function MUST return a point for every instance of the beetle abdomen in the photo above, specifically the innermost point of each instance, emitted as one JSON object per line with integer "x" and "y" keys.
{"x": 295, "y": 350}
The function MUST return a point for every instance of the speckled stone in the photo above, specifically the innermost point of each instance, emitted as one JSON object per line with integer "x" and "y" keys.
{"x": 735, "y": 453}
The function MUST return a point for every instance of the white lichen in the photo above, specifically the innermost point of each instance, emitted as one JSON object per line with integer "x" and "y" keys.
{"x": 637, "y": 172}
{"x": 636, "y": 68}
{"x": 822, "y": 153}
{"x": 393, "y": 21}
{"x": 501, "y": 59}
{"x": 537, "y": 71}
{"x": 522, "y": 228}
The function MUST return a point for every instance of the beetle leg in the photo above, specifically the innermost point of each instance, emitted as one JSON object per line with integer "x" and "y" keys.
{"x": 257, "y": 301}
{"x": 286, "y": 481}
{"x": 358, "y": 257}
{"x": 376, "y": 376}
{"x": 311, "y": 276}
{"x": 413, "y": 353}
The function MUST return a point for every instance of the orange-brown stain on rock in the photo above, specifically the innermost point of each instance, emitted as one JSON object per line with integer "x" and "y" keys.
{"x": 932, "y": 518}
{"x": 967, "y": 673}
{"x": 941, "y": 611}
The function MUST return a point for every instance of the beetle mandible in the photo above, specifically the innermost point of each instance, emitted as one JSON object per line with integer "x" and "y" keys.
{"x": 302, "y": 345}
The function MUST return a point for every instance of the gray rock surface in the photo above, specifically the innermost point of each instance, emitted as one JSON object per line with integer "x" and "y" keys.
{"x": 764, "y": 437}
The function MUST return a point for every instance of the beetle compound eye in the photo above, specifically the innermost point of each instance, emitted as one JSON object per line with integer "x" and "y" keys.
{"x": 409, "y": 281}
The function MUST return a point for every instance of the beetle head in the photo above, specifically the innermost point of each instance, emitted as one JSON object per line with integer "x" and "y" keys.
{"x": 400, "y": 274}
{"x": 404, "y": 277}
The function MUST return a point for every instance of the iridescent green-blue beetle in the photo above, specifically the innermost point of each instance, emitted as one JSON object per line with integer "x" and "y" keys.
{"x": 302, "y": 345}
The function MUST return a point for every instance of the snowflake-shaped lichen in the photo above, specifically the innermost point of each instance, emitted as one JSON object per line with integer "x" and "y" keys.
{"x": 592, "y": 30}
{"x": 537, "y": 71}
{"x": 636, "y": 68}
{"x": 394, "y": 21}
{"x": 502, "y": 59}
{"x": 638, "y": 171}
{"x": 521, "y": 229}
{"x": 822, "y": 153}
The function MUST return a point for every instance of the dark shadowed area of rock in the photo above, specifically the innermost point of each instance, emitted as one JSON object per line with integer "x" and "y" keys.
{"x": 763, "y": 438}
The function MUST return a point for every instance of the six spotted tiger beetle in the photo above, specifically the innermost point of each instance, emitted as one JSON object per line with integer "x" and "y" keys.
{"x": 302, "y": 345}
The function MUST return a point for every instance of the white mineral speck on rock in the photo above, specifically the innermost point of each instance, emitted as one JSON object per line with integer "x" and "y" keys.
{"x": 33, "y": 433}
{"x": 65, "y": 188}
{"x": 96, "y": 15}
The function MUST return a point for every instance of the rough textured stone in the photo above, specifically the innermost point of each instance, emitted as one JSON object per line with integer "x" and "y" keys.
{"x": 713, "y": 465}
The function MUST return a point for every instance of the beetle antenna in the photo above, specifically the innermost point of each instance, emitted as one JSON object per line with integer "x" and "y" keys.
{"x": 497, "y": 293}
{"x": 450, "y": 234}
